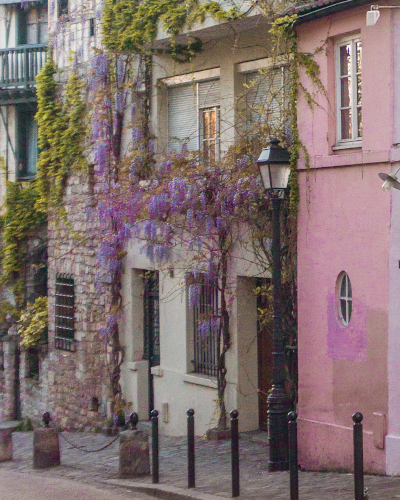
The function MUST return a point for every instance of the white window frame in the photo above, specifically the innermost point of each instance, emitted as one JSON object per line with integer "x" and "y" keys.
{"x": 354, "y": 141}
{"x": 202, "y": 140}
{"x": 347, "y": 297}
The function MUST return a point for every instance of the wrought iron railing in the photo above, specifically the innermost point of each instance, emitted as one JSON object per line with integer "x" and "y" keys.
{"x": 19, "y": 66}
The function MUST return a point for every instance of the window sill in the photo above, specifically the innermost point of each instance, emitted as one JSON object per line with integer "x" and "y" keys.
{"x": 65, "y": 344}
{"x": 26, "y": 177}
{"x": 157, "y": 371}
{"x": 347, "y": 145}
{"x": 199, "y": 380}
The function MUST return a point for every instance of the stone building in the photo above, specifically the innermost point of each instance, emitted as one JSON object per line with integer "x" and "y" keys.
{"x": 166, "y": 364}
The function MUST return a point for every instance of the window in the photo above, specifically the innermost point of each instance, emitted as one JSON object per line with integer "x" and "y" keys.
{"x": 32, "y": 363}
{"x": 349, "y": 90}
{"x": 209, "y": 133}
{"x": 92, "y": 26}
{"x": 65, "y": 313}
{"x": 193, "y": 117}
{"x": 345, "y": 298}
{"x": 151, "y": 318}
{"x": 206, "y": 329}
{"x": 27, "y": 142}
{"x": 62, "y": 8}
{"x": 265, "y": 97}
{"x": 32, "y": 25}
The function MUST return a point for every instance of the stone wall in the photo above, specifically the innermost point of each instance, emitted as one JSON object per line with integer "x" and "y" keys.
{"x": 74, "y": 378}
{"x": 2, "y": 384}
{"x": 34, "y": 389}
{"x": 9, "y": 408}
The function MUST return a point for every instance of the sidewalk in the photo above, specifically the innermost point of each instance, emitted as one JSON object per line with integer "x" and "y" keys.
{"x": 212, "y": 470}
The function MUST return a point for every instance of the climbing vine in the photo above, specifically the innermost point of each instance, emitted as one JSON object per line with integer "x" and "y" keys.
{"x": 33, "y": 323}
{"x": 62, "y": 131}
{"x": 129, "y": 25}
{"x": 21, "y": 222}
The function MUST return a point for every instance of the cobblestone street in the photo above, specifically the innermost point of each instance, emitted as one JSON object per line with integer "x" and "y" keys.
{"x": 212, "y": 469}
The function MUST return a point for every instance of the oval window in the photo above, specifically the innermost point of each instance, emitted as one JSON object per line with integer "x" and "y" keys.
{"x": 345, "y": 298}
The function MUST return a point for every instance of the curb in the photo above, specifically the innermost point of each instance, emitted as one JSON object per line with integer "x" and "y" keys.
{"x": 164, "y": 491}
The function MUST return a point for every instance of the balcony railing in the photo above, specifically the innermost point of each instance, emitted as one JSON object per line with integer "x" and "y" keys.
{"x": 19, "y": 66}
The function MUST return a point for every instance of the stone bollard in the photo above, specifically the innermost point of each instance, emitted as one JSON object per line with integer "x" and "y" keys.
{"x": 5, "y": 445}
{"x": 46, "y": 446}
{"x": 134, "y": 454}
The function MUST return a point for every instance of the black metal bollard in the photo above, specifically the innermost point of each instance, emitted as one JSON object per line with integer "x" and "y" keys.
{"x": 154, "y": 446}
{"x": 46, "y": 418}
{"x": 293, "y": 465}
{"x": 358, "y": 456}
{"x": 133, "y": 420}
{"x": 190, "y": 442}
{"x": 235, "y": 453}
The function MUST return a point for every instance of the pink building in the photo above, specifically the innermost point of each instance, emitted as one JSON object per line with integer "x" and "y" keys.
{"x": 349, "y": 238}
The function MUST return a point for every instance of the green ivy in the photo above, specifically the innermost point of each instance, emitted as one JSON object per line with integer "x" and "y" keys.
{"x": 286, "y": 42}
{"x": 61, "y": 134}
{"x": 33, "y": 323}
{"x": 21, "y": 220}
{"x": 132, "y": 25}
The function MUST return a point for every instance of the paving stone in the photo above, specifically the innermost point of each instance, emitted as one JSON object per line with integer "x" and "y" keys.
{"x": 213, "y": 468}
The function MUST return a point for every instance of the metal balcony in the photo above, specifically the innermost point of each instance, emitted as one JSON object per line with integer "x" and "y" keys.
{"x": 18, "y": 70}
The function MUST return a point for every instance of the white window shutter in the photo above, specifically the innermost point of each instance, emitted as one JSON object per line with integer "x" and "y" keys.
{"x": 183, "y": 118}
{"x": 265, "y": 97}
{"x": 209, "y": 94}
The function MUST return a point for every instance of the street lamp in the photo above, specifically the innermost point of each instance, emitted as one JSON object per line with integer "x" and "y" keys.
{"x": 274, "y": 165}
{"x": 390, "y": 181}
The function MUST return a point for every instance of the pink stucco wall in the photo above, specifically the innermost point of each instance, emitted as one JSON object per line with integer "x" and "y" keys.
{"x": 344, "y": 225}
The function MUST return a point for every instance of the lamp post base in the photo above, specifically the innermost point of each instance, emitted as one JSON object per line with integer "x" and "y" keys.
{"x": 279, "y": 405}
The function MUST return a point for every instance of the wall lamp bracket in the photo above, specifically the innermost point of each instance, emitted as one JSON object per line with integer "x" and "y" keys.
{"x": 373, "y": 14}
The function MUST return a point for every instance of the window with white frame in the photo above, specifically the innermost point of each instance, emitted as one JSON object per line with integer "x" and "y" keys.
{"x": 345, "y": 298}
{"x": 265, "y": 97}
{"x": 193, "y": 117}
{"x": 349, "y": 89}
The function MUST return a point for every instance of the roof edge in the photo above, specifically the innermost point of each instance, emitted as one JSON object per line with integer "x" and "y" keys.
{"x": 319, "y": 11}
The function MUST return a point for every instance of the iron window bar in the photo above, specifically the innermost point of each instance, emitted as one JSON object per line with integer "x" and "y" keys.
{"x": 151, "y": 317}
{"x": 206, "y": 352}
{"x": 65, "y": 313}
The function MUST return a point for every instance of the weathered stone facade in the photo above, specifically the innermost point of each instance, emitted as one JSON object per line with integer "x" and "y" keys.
{"x": 34, "y": 388}
{"x": 9, "y": 408}
{"x": 75, "y": 378}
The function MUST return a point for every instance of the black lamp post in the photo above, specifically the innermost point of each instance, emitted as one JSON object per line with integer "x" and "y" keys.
{"x": 274, "y": 164}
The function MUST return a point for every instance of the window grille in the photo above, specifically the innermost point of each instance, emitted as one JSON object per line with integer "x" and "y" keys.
{"x": 151, "y": 318}
{"x": 206, "y": 331}
{"x": 65, "y": 313}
